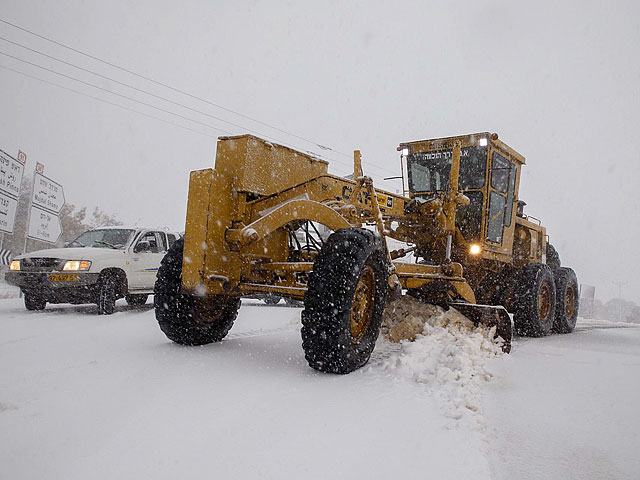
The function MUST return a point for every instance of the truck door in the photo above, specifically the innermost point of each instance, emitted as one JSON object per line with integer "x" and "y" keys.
{"x": 147, "y": 253}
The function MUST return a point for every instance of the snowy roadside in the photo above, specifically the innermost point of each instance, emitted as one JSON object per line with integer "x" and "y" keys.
{"x": 8, "y": 291}
{"x": 568, "y": 406}
{"x": 110, "y": 397}
{"x": 104, "y": 397}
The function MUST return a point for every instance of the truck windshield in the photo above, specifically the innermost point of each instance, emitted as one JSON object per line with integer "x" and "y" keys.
{"x": 104, "y": 238}
{"x": 429, "y": 171}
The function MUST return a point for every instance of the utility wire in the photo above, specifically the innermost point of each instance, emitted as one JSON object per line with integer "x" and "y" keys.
{"x": 136, "y": 89}
{"x": 323, "y": 147}
{"x": 144, "y": 103}
{"x": 114, "y": 93}
{"x": 129, "y": 86}
{"x": 108, "y": 102}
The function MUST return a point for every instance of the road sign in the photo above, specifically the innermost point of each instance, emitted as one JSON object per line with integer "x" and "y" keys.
{"x": 5, "y": 257}
{"x": 22, "y": 157}
{"x": 47, "y": 194}
{"x": 8, "y": 207}
{"x": 39, "y": 168}
{"x": 11, "y": 171}
{"x": 44, "y": 225}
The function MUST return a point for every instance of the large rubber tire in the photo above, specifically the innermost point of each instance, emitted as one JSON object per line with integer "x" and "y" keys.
{"x": 187, "y": 319}
{"x": 137, "y": 299}
{"x": 553, "y": 258}
{"x": 567, "y": 300}
{"x": 293, "y": 303}
{"x": 271, "y": 299}
{"x": 535, "y": 300}
{"x": 107, "y": 294}
{"x": 33, "y": 301}
{"x": 344, "y": 301}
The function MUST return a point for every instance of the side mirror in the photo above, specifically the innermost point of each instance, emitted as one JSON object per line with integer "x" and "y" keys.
{"x": 142, "y": 246}
{"x": 66, "y": 245}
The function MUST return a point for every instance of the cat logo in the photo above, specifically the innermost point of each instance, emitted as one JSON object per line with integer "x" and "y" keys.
{"x": 384, "y": 200}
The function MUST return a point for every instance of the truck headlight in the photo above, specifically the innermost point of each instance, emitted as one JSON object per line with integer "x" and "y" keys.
{"x": 15, "y": 265}
{"x": 76, "y": 265}
{"x": 475, "y": 249}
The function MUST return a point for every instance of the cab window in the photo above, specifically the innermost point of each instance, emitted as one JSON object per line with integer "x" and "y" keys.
{"x": 153, "y": 239}
{"x": 496, "y": 217}
{"x": 500, "y": 168}
{"x": 163, "y": 241}
{"x": 172, "y": 239}
{"x": 510, "y": 194}
{"x": 429, "y": 171}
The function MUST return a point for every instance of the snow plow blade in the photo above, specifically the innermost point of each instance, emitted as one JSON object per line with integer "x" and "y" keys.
{"x": 489, "y": 316}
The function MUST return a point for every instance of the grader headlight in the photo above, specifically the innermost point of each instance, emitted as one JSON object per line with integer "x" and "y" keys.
{"x": 475, "y": 249}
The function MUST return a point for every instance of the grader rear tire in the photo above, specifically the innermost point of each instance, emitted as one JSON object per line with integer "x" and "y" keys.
{"x": 535, "y": 301}
{"x": 344, "y": 301}
{"x": 567, "y": 300}
{"x": 553, "y": 257}
{"x": 187, "y": 319}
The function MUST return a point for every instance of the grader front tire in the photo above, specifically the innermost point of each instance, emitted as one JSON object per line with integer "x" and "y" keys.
{"x": 187, "y": 319}
{"x": 344, "y": 301}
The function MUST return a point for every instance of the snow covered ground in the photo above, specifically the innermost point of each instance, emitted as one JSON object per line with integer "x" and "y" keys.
{"x": 87, "y": 396}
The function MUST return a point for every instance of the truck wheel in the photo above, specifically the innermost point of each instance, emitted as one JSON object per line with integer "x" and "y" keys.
{"x": 567, "y": 300}
{"x": 33, "y": 301}
{"x": 107, "y": 294}
{"x": 136, "y": 300}
{"x": 344, "y": 301}
{"x": 187, "y": 319}
{"x": 535, "y": 301}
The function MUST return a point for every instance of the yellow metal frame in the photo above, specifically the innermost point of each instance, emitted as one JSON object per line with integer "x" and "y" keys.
{"x": 240, "y": 215}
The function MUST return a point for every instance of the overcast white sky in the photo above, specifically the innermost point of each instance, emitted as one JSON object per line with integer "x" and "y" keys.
{"x": 559, "y": 81}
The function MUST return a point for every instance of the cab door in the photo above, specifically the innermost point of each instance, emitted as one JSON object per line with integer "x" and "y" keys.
{"x": 147, "y": 253}
{"x": 501, "y": 200}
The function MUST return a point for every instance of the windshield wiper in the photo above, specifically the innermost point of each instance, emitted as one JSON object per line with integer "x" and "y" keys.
{"x": 106, "y": 244}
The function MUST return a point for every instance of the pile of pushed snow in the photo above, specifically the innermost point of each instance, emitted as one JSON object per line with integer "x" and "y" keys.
{"x": 443, "y": 350}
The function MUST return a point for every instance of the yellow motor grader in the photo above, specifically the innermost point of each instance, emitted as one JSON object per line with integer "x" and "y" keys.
{"x": 269, "y": 220}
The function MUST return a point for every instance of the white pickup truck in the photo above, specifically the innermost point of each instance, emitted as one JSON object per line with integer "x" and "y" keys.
{"x": 99, "y": 266}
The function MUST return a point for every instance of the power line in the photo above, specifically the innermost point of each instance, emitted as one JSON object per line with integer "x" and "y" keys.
{"x": 118, "y": 94}
{"x": 135, "y": 88}
{"x": 108, "y": 91}
{"x": 323, "y": 147}
{"x": 168, "y": 86}
{"x": 144, "y": 103}
{"x": 127, "y": 85}
{"x": 110, "y": 103}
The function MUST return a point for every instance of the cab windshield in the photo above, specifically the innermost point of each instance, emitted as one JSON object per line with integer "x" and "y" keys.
{"x": 116, "y": 238}
{"x": 429, "y": 171}
{"x": 429, "y": 175}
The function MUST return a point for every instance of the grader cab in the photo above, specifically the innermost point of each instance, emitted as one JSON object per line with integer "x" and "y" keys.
{"x": 253, "y": 228}
{"x": 505, "y": 254}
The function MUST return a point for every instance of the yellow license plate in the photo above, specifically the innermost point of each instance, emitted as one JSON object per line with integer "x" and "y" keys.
{"x": 64, "y": 277}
